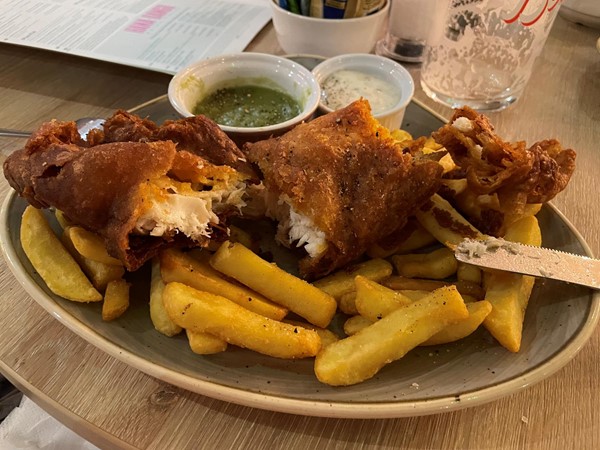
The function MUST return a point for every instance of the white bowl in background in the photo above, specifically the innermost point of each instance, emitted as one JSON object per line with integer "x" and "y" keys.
{"x": 377, "y": 66}
{"x": 194, "y": 82}
{"x": 328, "y": 37}
{"x": 585, "y": 12}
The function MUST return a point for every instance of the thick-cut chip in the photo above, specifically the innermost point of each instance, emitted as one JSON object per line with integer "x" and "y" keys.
{"x": 340, "y": 285}
{"x": 327, "y": 336}
{"x": 468, "y": 272}
{"x": 448, "y": 226}
{"x": 438, "y": 264}
{"x": 205, "y": 344}
{"x": 447, "y": 163}
{"x": 116, "y": 300}
{"x": 525, "y": 231}
{"x": 91, "y": 245}
{"x": 375, "y": 301}
{"x": 356, "y": 323}
{"x": 361, "y": 356}
{"x": 347, "y": 303}
{"x": 200, "y": 343}
{"x": 62, "y": 219}
{"x": 399, "y": 283}
{"x": 416, "y": 294}
{"x": 158, "y": 314}
{"x": 342, "y": 281}
{"x": 52, "y": 261}
{"x": 202, "y": 312}
{"x": 408, "y": 238}
{"x": 197, "y": 272}
{"x": 400, "y": 135}
{"x": 236, "y": 234}
{"x": 509, "y": 292}
{"x": 532, "y": 209}
{"x": 100, "y": 274}
{"x": 478, "y": 311}
{"x": 236, "y": 261}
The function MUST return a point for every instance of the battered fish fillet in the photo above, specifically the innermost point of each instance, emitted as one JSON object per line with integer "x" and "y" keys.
{"x": 338, "y": 184}
{"x": 139, "y": 196}
{"x": 198, "y": 135}
{"x": 504, "y": 180}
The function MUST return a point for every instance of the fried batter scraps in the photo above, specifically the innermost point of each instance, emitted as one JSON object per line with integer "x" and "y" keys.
{"x": 504, "y": 180}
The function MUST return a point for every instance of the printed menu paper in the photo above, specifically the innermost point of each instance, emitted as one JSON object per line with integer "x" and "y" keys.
{"x": 159, "y": 35}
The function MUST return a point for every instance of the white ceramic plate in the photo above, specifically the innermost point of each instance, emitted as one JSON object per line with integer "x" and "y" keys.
{"x": 559, "y": 321}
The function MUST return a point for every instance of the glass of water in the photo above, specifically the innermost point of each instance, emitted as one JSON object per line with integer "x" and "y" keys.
{"x": 484, "y": 54}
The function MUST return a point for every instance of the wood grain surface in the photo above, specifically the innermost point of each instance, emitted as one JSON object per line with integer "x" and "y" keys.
{"x": 115, "y": 406}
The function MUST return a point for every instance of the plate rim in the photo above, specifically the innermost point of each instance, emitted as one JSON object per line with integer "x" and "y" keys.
{"x": 336, "y": 409}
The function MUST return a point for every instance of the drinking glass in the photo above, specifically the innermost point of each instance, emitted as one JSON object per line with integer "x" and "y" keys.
{"x": 484, "y": 54}
{"x": 410, "y": 23}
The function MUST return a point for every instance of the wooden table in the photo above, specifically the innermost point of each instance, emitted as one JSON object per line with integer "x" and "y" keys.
{"x": 115, "y": 406}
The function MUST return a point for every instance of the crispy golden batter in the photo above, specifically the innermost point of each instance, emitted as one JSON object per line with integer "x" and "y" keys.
{"x": 345, "y": 173}
{"x": 53, "y": 133}
{"x": 198, "y": 135}
{"x": 107, "y": 188}
{"x": 503, "y": 178}
{"x": 124, "y": 127}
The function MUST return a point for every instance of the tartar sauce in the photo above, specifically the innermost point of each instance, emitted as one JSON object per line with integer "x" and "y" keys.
{"x": 345, "y": 86}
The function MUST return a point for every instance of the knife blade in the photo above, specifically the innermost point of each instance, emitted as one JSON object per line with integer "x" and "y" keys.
{"x": 493, "y": 253}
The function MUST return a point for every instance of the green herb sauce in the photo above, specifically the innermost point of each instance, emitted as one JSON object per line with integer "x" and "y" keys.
{"x": 248, "y": 106}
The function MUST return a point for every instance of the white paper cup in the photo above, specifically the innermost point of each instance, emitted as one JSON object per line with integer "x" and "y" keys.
{"x": 328, "y": 37}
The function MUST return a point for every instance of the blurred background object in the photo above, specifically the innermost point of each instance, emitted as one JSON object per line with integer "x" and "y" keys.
{"x": 485, "y": 54}
{"x": 332, "y": 9}
{"x": 29, "y": 427}
{"x": 328, "y": 37}
{"x": 409, "y": 26}
{"x": 10, "y": 397}
{"x": 585, "y": 12}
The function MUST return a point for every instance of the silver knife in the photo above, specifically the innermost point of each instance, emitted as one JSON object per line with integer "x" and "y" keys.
{"x": 493, "y": 253}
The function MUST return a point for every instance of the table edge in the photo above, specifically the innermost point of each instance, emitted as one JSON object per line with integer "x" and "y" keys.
{"x": 68, "y": 418}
